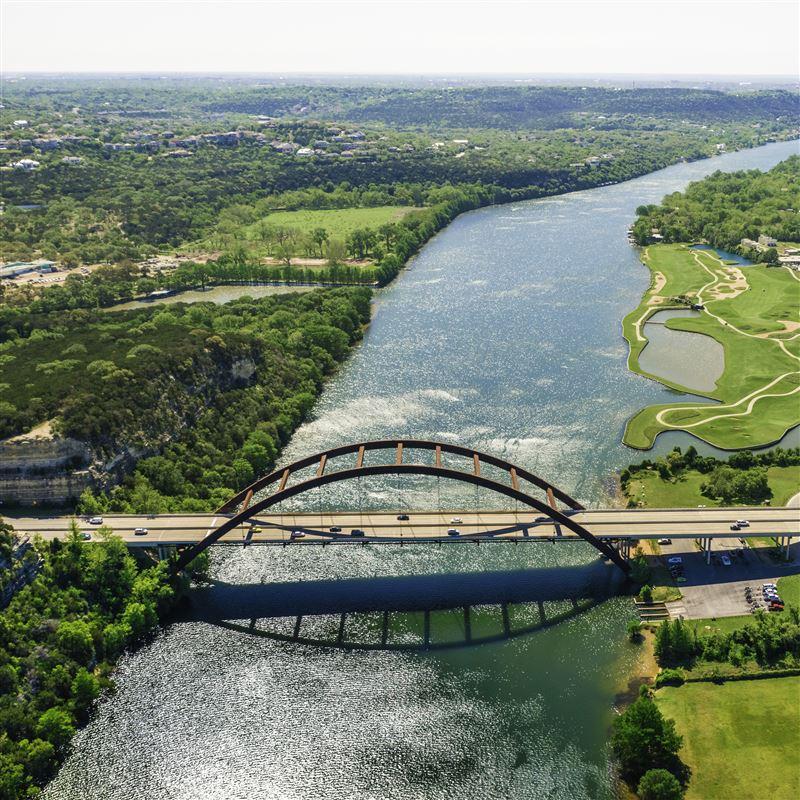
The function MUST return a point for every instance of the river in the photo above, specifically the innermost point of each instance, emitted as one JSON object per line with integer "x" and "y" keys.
{"x": 504, "y": 333}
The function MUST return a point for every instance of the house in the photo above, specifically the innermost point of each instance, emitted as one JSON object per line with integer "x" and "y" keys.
{"x": 46, "y": 144}
{"x": 72, "y": 160}
{"x": 20, "y": 123}
{"x": 305, "y": 151}
{"x": 13, "y": 269}
{"x": 27, "y": 164}
{"x": 767, "y": 241}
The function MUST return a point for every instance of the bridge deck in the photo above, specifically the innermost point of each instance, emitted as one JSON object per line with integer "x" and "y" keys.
{"x": 187, "y": 529}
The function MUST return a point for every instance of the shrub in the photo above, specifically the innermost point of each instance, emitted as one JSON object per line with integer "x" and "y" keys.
{"x": 670, "y": 677}
{"x": 659, "y": 784}
{"x": 634, "y": 630}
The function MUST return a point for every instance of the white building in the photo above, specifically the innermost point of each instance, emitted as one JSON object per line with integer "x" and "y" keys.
{"x": 27, "y": 164}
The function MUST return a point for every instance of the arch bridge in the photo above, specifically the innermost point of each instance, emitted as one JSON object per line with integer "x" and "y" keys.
{"x": 444, "y": 460}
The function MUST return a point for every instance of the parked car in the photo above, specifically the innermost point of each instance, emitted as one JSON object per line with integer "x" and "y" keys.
{"x": 726, "y": 562}
{"x": 297, "y": 535}
{"x": 145, "y": 531}
{"x": 675, "y": 560}
{"x": 95, "y": 520}
{"x": 665, "y": 541}
{"x": 402, "y": 517}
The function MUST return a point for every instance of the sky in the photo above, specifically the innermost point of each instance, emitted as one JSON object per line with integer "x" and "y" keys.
{"x": 413, "y": 37}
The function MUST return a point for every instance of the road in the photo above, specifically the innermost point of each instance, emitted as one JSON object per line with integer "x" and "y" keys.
{"x": 184, "y": 529}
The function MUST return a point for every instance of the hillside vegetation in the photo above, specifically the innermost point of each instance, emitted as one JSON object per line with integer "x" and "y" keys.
{"x": 727, "y": 207}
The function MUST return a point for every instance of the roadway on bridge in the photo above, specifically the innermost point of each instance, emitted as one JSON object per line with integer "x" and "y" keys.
{"x": 183, "y": 529}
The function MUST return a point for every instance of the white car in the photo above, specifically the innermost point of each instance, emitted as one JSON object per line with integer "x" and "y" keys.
{"x": 456, "y": 521}
{"x": 675, "y": 560}
{"x": 297, "y": 535}
{"x": 726, "y": 561}
{"x": 140, "y": 531}
{"x": 665, "y": 541}
{"x": 742, "y": 523}
{"x": 95, "y": 520}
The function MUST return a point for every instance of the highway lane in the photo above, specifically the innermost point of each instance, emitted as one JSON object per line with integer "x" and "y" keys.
{"x": 171, "y": 529}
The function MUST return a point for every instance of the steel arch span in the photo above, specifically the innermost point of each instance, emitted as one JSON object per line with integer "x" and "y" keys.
{"x": 279, "y": 486}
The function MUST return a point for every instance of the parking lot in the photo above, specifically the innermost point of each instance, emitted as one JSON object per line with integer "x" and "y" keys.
{"x": 716, "y": 590}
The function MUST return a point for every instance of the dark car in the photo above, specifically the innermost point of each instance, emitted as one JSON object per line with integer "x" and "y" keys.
{"x": 335, "y": 529}
{"x": 357, "y": 532}
{"x": 402, "y": 517}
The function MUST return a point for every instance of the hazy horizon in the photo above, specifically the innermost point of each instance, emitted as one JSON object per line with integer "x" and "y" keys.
{"x": 678, "y": 40}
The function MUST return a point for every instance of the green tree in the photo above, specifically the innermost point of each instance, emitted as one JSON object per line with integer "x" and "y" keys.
{"x": 642, "y": 739}
{"x": 659, "y": 784}
{"x": 57, "y": 727}
{"x": 39, "y": 759}
{"x": 75, "y": 641}
{"x": 85, "y": 689}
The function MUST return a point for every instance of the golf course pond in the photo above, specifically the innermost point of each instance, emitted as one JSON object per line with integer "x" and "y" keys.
{"x": 688, "y": 359}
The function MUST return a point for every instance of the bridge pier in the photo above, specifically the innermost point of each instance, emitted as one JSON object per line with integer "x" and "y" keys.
{"x": 706, "y": 543}
{"x": 785, "y": 544}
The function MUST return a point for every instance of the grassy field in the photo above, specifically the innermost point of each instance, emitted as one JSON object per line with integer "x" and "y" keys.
{"x": 741, "y": 738}
{"x": 648, "y": 489}
{"x": 746, "y": 311}
{"x": 339, "y": 223}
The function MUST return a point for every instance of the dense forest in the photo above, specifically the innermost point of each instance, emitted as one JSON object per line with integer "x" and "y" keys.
{"x": 727, "y": 207}
{"x": 60, "y": 636}
{"x": 218, "y": 389}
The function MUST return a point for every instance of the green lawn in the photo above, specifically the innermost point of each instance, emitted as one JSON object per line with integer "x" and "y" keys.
{"x": 648, "y": 489}
{"x": 338, "y": 222}
{"x": 789, "y": 589}
{"x": 741, "y": 738}
{"x": 753, "y": 366}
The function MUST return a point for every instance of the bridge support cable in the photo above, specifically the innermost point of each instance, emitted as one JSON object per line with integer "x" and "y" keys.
{"x": 283, "y": 474}
{"x": 290, "y": 490}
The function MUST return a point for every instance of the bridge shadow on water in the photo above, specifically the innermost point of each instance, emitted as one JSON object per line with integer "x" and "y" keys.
{"x": 414, "y": 612}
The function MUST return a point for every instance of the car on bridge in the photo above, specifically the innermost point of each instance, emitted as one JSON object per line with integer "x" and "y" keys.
{"x": 357, "y": 532}
{"x": 453, "y": 532}
{"x": 86, "y": 536}
{"x": 297, "y": 535}
{"x": 95, "y": 520}
{"x": 456, "y": 521}
{"x": 334, "y": 529}
{"x": 140, "y": 531}
{"x": 665, "y": 541}
{"x": 403, "y": 517}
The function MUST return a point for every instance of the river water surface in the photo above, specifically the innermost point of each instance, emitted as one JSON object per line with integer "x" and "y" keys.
{"x": 503, "y": 334}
